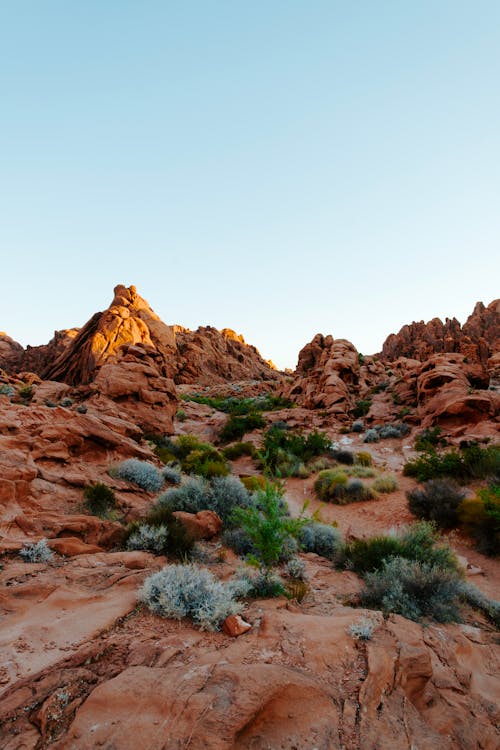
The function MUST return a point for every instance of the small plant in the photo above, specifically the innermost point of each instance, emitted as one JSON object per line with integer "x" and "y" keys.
{"x": 334, "y": 486}
{"x": 398, "y": 430}
{"x": 320, "y": 538}
{"x": 177, "y": 541}
{"x": 141, "y": 473}
{"x": 81, "y": 409}
{"x": 235, "y": 451}
{"x": 428, "y": 439}
{"x": 343, "y": 456}
{"x": 471, "y": 462}
{"x": 362, "y": 408}
{"x": 171, "y": 474}
{"x": 26, "y": 392}
{"x": 7, "y": 390}
{"x": 51, "y": 404}
{"x": 475, "y": 598}
{"x": 295, "y": 568}
{"x": 179, "y": 591}
{"x": 437, "y": 500}
{"x": 149, "y": 538}
{"x": 253, "y": 483}
{"x": 362, "y": 630}
{"x": 385, "y": 484}
{"x": 99, "y": 499}
{"x": 180, "y": 415}
{"x": 371, "y": 436}
{"x": 263, "y": 585}
{"x": 414, "y": 590}
{"x": 363, "y": 458}
{"x": 358, "y": 426}
{"x": 67, "y": 402}
{"x": 222, "y": 495}
{"x": 237, "y": 426}
{"x": 37, "y": 553}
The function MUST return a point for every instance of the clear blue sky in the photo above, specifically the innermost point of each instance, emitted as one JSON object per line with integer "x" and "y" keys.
{"x": 278, "y": 167}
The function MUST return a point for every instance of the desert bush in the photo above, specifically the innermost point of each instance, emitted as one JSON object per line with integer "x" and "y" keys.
{"x": 81, "y": 409}
{"x": 237, "y": 426}
{"x": 428, "y": 439}
{"x": 437, "y": 500}
{"x": 343, "y": 456}
{"x": 39, "y": 552}
{"x": 178, "y": 541}
{"x": 320, "y": 538}
{"x": 253, "y": 483}
{"x": 232, "y": 452}
{"x": 149, "y": 538}
{"x": 371, "y": 436}
{"x": 358, "y": 426}
{"x": 397, "y": 430}
{"x": 283, "y": 451}
{"x": 295, "y": 568}
{"x": 180, "y": 415}
{"x": 319, "y": 464}
{"x": 179, "y": 591}
{"x": 66, "y": 402}
{"x": 385, "y": 484}
{"x": 476, "y": 599}
{"x": 99, "y": 499}
{"x": 471, "y": 462}
{"x": 241, "y": 406}
{"x": 361, "y": 472}
{"x": 7, "y": 390}
{"x": 362, "y": 630}
{"x": 414, "y": 590}
{"x": 205, "y": 462}
{"x": 419, "y": 542}
{"x": 263, "y": 584}
{"x": 142, "y": 473}
{"x": 362, "y": 408}
{"x": 171, "y": 474}
{"x": 221, "y": 494}
{"x": 480, "y": 517}
{"x": 268, "y": 525}
{"x": 26, "y": 392}
{"x": 238, "y": 540}
{"x": 363, "y": 458}
{"x": 334, "y": 486}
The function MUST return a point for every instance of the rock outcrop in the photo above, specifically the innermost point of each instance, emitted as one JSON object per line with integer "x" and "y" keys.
{"x": 477, "y": 339}
{"x": 326, "y": 373}
{"x": 210, "y": 357}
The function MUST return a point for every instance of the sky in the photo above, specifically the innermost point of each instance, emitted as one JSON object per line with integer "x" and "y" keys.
{"x": 279, "y": 167}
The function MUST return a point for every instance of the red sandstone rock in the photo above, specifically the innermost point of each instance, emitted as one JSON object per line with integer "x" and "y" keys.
{"x": 234, "y": 625}
{"x": 202, "y": 525}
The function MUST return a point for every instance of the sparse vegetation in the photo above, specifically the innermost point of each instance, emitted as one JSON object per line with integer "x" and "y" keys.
{"x": 385, "y": 484}
{"x": 241, "y": 406}
{"x": 221, "y": 494}
{"x": 99, "y": 499}
{"x": 480, "y": 517}
{"x": 362, "y": 630}
{"x": 334, "y": 486}
{"x": 192, "y": 455}
{"x": 238, "y": 426}
{"x": 143, "y": 474}
{"x": 285, "y": 453}
{"x": 362, "y": 408}
{"x": 237, "y": 450}
{"x": 163, "y": 533}
{"x": 470, "y": 462}
{"x": 363, "y": 458}
{"x": 371, "y": 436}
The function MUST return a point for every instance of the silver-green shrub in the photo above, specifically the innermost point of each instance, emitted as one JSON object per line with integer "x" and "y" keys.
{"x": 179, "y": 591}
{"x": 320, "y": 538}
{"x": 171, "y": 474}
{"x": 142, "y": 473}
{"x": 37, "y": 553}
{"x": 296, "y": 568}
{"x": 148, "y": 538}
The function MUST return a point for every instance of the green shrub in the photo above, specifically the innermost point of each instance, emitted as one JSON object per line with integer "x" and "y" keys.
{"x": 284, "y": 452}
{"x": 179, "y": 591}
{"x": 419, "y": 542}
{"x": 371, "y": 436}
{"x": 235, "y": 451}
{"x": 171, "y": 474}
{"x": 362, "y": 408}
{"x": 358, "y": 426}
{"x": 142, "y": 473}
{"x": 178, "y": 542}
{"x": 237, "y": 426}
{"x": 481, "y": 519}
{"x": 193, "y": 456}
{"x": 253, "y": 483}
{"x": 268, "y": 525}
{"x": 437, "y": 500}
{"x": 321, "y": 538}
{"x": 414, "y": 590}
{"x": 26, "y": 392}
{"x": 180, "y": 415}
{"x": 385, "y": 484}
{"x": 238, "y": 540}
{"x": 99, "y": 499}
{"x": 7, "y": 390}
{"x": 475, "y": 598}
{"x": 471, "y": 462}
{"x": 241, "y": 406}
{"x": 343, "y": 456}
{"x": 428, "y": 439}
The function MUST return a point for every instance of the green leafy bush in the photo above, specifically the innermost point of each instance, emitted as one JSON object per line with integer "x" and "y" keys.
{"x": 419, "y": 542}
{"x": 179, "y": 591}
{"x": 428, "y": 439}
{"x": 99, "y": 499}
{"x": 241, "y": 406}
{"x": 263, "y": 584}
{"x": 414, "y": 590}
{"x": 362, "y": 408}
{"x": 163, "y": 532}
{"x": 237, "y": 426}
{"x": 437, "y": 500}
{"x": 284, "y": 453}
{"x": 471, "y": 462}
{"x": 142, "y": 473}
{"x": 192, "y": 455}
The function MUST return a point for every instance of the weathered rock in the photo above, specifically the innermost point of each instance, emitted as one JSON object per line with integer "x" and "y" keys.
{"x": 202, "y": 525}
{"x": 234, "y": 625}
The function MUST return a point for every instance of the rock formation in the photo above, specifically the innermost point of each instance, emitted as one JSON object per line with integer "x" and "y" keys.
{"x": 477, "y": 339}
{"x": 210, "y": 357}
